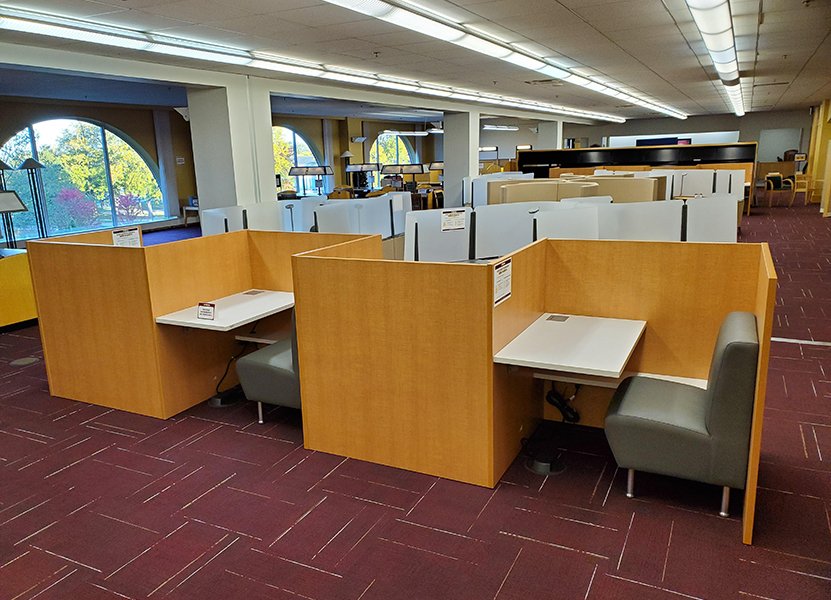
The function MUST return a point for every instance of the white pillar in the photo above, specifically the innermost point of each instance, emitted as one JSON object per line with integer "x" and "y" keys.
{"x": 461, "y": 153}
{"x": 549, "y": 135}
{"x": 231, "y": 133}
{"x": 166, "y": 161}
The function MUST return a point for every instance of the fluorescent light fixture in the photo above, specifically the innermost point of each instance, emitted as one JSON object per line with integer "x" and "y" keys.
{"x": 424, "y": 20}
{"x": 525, "y": 147}
{"x": 406, "y": 133}
{"x": 488, "y": 148}
{"x": 435, "y": 130}
{"x": 500, "y": 128}
{"x": 12, "y": 19}
{"x": 715, "y": 24}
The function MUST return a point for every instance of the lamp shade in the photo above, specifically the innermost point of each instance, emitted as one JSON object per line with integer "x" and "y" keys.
{"x": 437, "y": 166}
{"x": 363, "y": 167}
{"x": 320, "y": 170}
{"x": 31, "y": 163}
{"x": 347, "y": 154}
{"x": 402, "y": 169}
{"x": 5, "y": 167}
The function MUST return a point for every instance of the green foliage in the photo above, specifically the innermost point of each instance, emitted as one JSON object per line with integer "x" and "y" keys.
{"x": 384, "y": 149}
{"x": 283, "y": 156}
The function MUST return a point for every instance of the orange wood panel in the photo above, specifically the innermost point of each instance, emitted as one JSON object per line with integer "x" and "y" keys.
{"x": 682, "y": 289}
{"x": 180, "y": 274}
{"x": 765, "y": 300}
{"x": 96, "y": 324}
{"x": 396, "y": 363}
{"x": 271, "y": 254}
{"x": 516, "y": 395}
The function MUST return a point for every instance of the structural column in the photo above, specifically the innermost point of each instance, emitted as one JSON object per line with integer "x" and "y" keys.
{"x": 231, "y": 133}
{"x": 549, "y": 135}
{"x": 461, "y": 153}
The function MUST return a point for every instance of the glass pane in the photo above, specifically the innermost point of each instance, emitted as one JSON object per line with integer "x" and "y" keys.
{"x": 137, "y": 195}
{"x": 282, "y": 143}
{"x": 14, "y": 152}
{"x": 304, "y": 157}
{"x": 74, "y": 180}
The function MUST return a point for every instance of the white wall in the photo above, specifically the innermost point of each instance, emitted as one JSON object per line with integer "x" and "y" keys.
{"x": 749, "y": 126}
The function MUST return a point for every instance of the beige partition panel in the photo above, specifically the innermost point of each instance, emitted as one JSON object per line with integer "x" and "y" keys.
{"x": 765, "y": 300}
{"x": 516, "y": 395}
{"x": 683, "y": 290}
{"x": 96, "y": 324}
{"x": 98, "y": 303}
{"x": 181, "y": 274}
{"x": 626, "y": 189}
{"x": 396, "y": 362}
{"x": 271, "y": 254}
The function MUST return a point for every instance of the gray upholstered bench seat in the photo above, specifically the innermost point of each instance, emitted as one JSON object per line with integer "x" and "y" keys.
{"x": 268, "y": 375}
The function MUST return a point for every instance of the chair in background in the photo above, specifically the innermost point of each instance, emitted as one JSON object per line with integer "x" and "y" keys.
{"x": 802, "y": 184}
{"x": 384, "y": 190}
{"x": 680, "y": 430}
{"x": 774, "y": 182}
{"x": 270, "y": 375}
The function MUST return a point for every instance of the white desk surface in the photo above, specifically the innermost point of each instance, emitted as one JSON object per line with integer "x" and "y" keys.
{"x": 596, "y": 346}
{"x": 233, "y": 311}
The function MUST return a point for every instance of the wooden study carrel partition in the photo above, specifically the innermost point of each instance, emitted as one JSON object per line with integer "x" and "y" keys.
{"x": 97, "y": 305}
{"x": 397, "y": 358}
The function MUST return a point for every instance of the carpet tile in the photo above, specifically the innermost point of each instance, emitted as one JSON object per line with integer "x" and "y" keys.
{"x": 101, "y": 504}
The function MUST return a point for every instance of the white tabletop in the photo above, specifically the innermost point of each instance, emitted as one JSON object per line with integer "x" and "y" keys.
{"x": 574, "y": 344}
{"x": 233, "y": 311}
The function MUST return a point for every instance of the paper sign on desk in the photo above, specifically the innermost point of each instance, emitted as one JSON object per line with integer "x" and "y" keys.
{"x": 501, "y": 281}
{"x": 127, "y": 237}
{"x": 206, "y": 310}
{"x": 452, "y": 220}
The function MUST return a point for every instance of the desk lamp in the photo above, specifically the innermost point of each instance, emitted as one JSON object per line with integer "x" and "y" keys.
{"x": 317, "y": 170}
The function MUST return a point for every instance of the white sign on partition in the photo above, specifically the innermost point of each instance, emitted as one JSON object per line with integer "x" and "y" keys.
{"x": 452, "y": 220}
{"x": 206, "y": 311}
{"x": 501, "y": 281}
{"x": 128, "y": 236}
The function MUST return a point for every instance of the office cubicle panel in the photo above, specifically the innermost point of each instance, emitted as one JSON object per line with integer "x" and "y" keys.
{"x": 576, "y": 222}
{"x": 503, "y": 228}
{"x": 17, "y": 298}
{"x": 264, "y": 216}
{"x": 116, "y": 355}
{"x": 402, "y": 203}
{"x": 441, "y": 235}
{"x": 712, "y": 219}
{"x": 221, "y": 220}
{"x": 374, "y": 215}
{"x": 730, "y": 181}
{"x": 298, "y": 215}
{"x": 644, "y": 221}
{"x": 689, "y": 182}
{"x": 337, "y": 217}
{"x": 479, "y": 185}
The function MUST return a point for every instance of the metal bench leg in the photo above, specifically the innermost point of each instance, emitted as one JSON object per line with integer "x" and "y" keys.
{"x": 725, "y": 502}
{"x": 260, "y": 412}
{"x": 630, "y": 483}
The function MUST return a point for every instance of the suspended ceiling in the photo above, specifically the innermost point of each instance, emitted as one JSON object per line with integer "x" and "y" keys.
{"x": 648, "y": 46}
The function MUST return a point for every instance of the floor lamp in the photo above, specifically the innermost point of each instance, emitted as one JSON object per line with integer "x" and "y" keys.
{"x": 32, "y": 168}
{"x": 10, "y": 203}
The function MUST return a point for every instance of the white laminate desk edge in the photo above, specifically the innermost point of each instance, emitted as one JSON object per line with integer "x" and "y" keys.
{"x": 627, "y": 341}
{"x": 187, "y": 317}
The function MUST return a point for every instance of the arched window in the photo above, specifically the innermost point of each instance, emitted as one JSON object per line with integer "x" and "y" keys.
{"x": 93, "y": 178}
{"x": 391, "y": 149}
{"x": 292, "y": 150}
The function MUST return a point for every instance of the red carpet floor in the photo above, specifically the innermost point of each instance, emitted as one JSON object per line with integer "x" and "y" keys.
{"x": 96, "y": 503}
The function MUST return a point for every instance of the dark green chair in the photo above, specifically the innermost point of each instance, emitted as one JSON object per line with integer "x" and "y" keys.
{"x": 680, "y": 430}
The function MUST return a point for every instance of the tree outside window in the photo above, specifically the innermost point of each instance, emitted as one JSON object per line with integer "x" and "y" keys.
{"x": 93, "y": 178}
{"x": 292, "y": 150}
{"x": 391, "y": 149}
